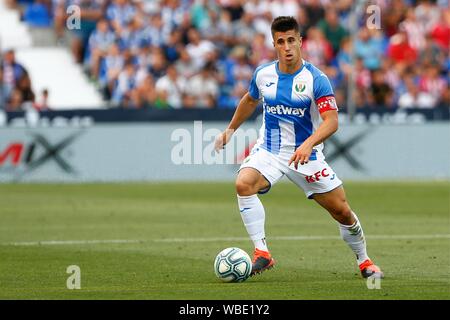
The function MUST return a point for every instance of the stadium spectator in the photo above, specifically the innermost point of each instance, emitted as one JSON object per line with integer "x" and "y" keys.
{"x": 432, "y": 53}
{"x": 400, "y": 50}
{"x": 100, "y": 41}
{"x": 111, "y": 67}
{"x": 414, "y": 98}
{"x": 13, "y": 73}
{"x": 235, "y": 8}
{"x": 369, "y": 48}
{"x": 37, "y": 14}
{"x": 225, "y": 26}
{"x": 15, "y": 83}
{"x": 198, "y": 49}
{"x": 363, "y": 77}
{"x": 440, "y": 32}
{"x": 243, "y": 30}
{"x": 315, "y": 12}
{"x": 241, "y": 71}
{"x": 444, "y": 100}
{"x": 172, "y": 47}
{"x": 332, "y": 29}
{"x": 42, "y": 103}
{"x": 260, "y": 52}
{"x": 15, "y": 101}
{"x": 92, "y": 11}
{"x": 157, "y": 32}
{"x": 381, "y": 92}
{"x": 172, "y": 13}
{"x": 432, "y": 82}
{"x": 344, "y": 58}
{"x": 427, "y": 14}
{"x": 120, "y": 13}
{"x": 316, "y": 47}
{"x": 392, "y": 16}
{"x": 126, "y": 83}
{"x": 415, "y": 30}
{"x": 158, "y": 63}
{"x": 145, "y": 95}
{"x": 200, "y": 14}
{"x": 2, "y": 90}
{"x": 202, "y": 89}
{"x": 24, "y": 85}
{"x": 184, "y": 65}
{"x": 260, "y": 11}
{"x": 283, "y": 8}
{"x": 171, "y": 88}
{"x": 393, "y": 75}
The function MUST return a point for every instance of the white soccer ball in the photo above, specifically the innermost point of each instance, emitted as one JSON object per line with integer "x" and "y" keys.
{"x": 233, "y": 265}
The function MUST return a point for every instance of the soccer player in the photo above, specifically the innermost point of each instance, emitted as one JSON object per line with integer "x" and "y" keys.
{"x": 300, "y": 112}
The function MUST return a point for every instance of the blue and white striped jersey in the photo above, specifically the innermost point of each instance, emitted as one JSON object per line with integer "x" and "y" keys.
{"x": 292, "y": 104}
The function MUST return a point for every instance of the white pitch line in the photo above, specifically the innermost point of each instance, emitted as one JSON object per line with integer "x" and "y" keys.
{"x": 303, "y": 238}
{"x": 66, "y": 242}
{"x": 225, "y": 239}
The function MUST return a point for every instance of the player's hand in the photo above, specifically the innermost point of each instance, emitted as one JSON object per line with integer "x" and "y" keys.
{"x": 222, "y": 139}
{"x": 301, "y": 155}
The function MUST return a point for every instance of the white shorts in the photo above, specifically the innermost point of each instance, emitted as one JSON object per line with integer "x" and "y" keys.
{"x": 316, "y": 176}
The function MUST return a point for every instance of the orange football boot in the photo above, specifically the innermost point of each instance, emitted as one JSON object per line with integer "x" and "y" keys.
{"x": 368, "y": 269}
{"x": 262, "y": 260}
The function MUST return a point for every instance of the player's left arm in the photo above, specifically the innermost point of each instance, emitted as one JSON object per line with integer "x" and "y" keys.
{"x": 328, "y": 126}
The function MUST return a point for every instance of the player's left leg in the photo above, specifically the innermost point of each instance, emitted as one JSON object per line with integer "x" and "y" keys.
{"x": 336, "y": 204}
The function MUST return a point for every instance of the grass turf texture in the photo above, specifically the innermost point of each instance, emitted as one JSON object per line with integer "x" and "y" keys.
{"x": 306, "y": 269}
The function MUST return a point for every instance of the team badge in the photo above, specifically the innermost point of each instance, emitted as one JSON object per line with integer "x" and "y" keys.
{"x": 300, "y": 86}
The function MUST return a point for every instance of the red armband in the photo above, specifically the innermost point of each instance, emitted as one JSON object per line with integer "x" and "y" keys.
{"x": 326, "y": 103}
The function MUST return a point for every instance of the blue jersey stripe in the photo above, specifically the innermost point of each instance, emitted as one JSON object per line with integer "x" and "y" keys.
{"x": 284, "y": 90}
{"x": 303, "y": 128}
{"x": 272, "y": 134}
{"x": 283, "y": 96}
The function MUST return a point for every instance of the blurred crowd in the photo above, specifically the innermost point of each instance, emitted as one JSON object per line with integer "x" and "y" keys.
{"x": 202, "y": 53}
{"x": 16, "y": 92}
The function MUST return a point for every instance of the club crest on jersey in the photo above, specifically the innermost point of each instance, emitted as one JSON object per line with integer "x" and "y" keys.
{"x": 300, "y": 86}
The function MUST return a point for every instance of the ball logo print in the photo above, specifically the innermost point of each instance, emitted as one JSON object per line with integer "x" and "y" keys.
{"x": 232, "y": 265}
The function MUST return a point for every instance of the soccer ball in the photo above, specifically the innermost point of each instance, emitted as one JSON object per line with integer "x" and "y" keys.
{"x": 233, "y": 265}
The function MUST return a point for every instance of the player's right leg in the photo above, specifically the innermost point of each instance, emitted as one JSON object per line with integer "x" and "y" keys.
{"x": 256, "y": 175}
{"x": 248, "y": 183}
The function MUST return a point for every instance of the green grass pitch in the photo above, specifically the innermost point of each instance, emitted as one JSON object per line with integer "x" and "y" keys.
{"x": 180, "y": 227}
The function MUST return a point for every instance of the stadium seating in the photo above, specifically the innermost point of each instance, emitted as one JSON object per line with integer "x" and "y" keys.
{"x": 47, "y": 66}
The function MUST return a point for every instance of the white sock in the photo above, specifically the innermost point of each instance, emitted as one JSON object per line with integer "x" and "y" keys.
{"x": 354, "y": 236}
{"x": 253, "y": 216}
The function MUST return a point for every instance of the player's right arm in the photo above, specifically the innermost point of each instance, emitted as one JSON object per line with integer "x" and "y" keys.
{"x": 244, "y": 110}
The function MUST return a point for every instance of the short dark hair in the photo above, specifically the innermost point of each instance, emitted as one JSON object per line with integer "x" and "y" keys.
{"x": 283, "y": 24}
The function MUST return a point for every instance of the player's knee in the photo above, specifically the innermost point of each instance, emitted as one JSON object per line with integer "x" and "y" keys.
{"x": 343, "y": 214}
{"x": 244, "y": 188}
